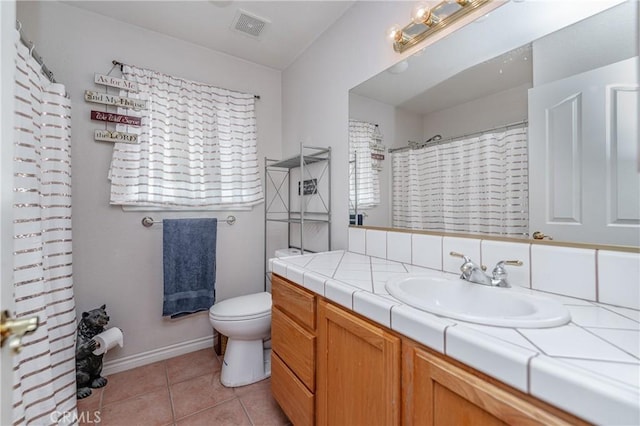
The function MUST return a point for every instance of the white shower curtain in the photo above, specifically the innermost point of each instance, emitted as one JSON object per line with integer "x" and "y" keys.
{"x": 477, "y": 185}
{"x": 44, "y": 372}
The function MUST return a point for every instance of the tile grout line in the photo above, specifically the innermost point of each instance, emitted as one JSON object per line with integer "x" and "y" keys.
{"x": 606, "y": 341}
{"x": 246, "y": 412}
{"x": 531, "y": 341}
{"x": 529, "y": 372}
{"x": 166, "y": 376}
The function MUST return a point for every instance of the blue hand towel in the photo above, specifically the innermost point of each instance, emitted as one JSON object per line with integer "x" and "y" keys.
{"x": 189, "y": 263}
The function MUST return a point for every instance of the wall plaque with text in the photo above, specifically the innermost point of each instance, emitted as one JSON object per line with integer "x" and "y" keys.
{"x": 120, "y": 83}
{"x": 119, "y": 137}
{"x": 115, "y": 118}
{"x": 107, "y": 99}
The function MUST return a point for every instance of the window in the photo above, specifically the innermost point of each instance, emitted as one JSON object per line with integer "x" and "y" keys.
{"x": 196, "y": 147}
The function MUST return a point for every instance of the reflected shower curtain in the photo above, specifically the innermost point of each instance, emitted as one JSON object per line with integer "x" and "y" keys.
{"x": 44, "y": 371}
{"x": 477, "y": 185}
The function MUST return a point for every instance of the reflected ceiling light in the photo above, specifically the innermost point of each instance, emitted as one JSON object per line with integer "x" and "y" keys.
{"x": 427, "y": 20}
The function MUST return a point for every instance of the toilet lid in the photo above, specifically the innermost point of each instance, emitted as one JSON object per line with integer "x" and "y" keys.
{"x": 251, "y": 305}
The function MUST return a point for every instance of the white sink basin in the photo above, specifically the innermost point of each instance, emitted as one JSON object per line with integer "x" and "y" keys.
{"x": 459, "y": 299}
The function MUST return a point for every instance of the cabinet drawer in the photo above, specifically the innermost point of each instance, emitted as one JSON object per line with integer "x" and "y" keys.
{"x": 299, "y": 303}
{"x": 293, "y": 397}
{"x": 295, "y": 346}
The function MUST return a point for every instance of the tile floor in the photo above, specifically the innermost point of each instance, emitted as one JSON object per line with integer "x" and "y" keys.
{"x": 181, "y": 391}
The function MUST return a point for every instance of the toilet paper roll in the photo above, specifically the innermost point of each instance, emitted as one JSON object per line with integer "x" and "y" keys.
{"x": 108, "y": 339}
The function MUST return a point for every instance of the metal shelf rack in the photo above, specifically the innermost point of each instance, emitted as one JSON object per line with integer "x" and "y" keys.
{"x": 307, "y": 177}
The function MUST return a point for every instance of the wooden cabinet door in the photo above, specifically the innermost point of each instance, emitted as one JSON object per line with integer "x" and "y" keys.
{"x": 358, "y": 380}
{"x": 437, "y": 392}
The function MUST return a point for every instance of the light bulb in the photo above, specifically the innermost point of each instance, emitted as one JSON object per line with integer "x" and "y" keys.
{"x": 420, "y": 13}
{"x": 395, "y": 33}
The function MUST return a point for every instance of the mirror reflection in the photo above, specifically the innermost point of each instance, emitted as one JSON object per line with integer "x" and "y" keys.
{"x": 504, "y": 139}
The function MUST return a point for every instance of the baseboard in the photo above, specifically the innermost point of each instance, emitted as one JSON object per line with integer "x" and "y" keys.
{"x": 144, "y": 358}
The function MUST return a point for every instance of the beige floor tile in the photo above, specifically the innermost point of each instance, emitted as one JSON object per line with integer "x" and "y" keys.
{"x": 150, "y": 409}
{"x": 262, "y": 385}
{"x": 193, "y": 395}
{"x": 194, "y": 364}
{"x": 228, "y": 413}
{"x": 92, "y": 402}
{"x": 137, "y": 381}
{"x": 262, "y": 409}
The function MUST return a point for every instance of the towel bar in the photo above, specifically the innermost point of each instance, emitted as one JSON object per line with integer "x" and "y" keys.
{"x": 148, "y": 221}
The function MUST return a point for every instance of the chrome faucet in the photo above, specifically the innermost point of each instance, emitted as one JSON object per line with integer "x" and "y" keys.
{"x": 473, "y": 273}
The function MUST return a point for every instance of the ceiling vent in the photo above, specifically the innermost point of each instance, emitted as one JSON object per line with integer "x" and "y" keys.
{"x": 249, "y": 24}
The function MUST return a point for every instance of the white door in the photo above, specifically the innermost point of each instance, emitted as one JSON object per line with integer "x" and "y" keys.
{"x": 7, "y": 68}
{"x": 584, "y": 180}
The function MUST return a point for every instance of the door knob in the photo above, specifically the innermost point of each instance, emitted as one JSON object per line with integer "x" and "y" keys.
{"x": 540, "y": 236}
{"x": 14, "y": 330}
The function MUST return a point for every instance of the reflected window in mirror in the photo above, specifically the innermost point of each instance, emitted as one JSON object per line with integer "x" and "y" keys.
{"x": 365, "y": 163}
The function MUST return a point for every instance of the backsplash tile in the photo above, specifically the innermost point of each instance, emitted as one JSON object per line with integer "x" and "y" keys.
{"x": 558, "y": 270}
{"x": 619, "y": 278}
{"x": 357, "y": 240}
{"x": 495, "y": 251}
{"x": 399, "y": 246}
{"x": 467, "y": 246}
{"x": 564, "y": 270}
{"x": 376, "y": 243}
{"x": 426, "y": 251}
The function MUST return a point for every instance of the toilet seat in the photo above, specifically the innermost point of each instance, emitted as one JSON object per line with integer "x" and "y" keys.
{"x": 242, "y": 308}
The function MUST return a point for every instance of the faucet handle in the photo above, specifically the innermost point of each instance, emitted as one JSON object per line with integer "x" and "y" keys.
{"x": 466, "y": 258}
{"x": 510, "y": 263}
{"x": 500, "y": 272}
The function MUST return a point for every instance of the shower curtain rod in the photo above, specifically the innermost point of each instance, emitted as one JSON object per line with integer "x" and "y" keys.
{"x": 468, "y": 135}
{"x": 47, "y": 72}
{"x": 120, "y": 64}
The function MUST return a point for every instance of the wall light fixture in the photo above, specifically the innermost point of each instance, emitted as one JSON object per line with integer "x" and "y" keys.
{"x": 427, "y": 20}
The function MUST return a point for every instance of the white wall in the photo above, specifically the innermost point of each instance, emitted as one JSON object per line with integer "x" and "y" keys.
{"x": 315, "y": 88}
{"x": 497, "y": 109}
{"x": 397, "y": 127}
{"x": 116, "y": 260}
{"x": 608, "y": 37}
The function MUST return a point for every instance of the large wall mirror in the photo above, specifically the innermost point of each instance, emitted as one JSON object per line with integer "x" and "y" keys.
{"x": 525, "y": 120}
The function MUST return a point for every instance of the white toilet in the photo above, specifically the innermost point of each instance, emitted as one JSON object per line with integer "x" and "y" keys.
{"x": 246, "y": 321}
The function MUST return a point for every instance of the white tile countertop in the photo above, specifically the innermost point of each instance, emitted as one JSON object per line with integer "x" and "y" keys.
{"x": 589, "y": 367}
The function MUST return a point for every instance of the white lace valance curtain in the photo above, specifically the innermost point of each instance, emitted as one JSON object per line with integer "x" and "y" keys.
{"x": 197, "y": 146}
{"x": 364, "y": 183}
{"x": 477, "y": 185}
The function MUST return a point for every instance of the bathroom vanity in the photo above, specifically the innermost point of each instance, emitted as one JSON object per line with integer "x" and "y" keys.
{"x": 363, "y": 373}
{"x": 346, "y": 354}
